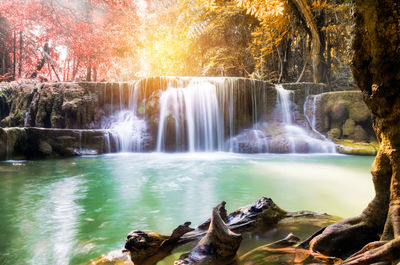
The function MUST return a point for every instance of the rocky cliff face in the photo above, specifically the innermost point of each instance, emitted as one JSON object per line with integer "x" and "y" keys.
{"x": 76, "y": 116}
{"x": 48, "y": 105}
{"x": 34, "y": 143}
{"x": 341, "y": 115}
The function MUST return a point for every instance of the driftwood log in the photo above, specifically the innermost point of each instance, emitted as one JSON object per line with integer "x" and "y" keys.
{"x": 147, "y": 247}
{"x": 219, "y": 237}
{"x": 218, "y": 246}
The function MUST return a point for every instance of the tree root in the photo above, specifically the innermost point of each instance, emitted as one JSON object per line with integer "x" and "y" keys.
{"x": 344, "y": 238}
{"x": 284, "y": 252}
{"x": 379, "y": 252}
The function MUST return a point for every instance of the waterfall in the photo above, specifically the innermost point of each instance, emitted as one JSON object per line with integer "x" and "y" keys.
{"x": 285, "y": 103}
{"x": 125, "y": 126}
{"x": 297, "y": 137}
{"x": 312, "y": 120}
{"x": 28, "y": 110}
{"x": 207, "y": 114}
{"x": 197, "y": 113}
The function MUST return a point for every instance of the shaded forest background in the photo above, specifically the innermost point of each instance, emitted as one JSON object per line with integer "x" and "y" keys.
{"x": 95, "y": 40}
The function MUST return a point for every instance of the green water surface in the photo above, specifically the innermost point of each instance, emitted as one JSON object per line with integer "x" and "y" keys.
{"x": 68, "y": 211}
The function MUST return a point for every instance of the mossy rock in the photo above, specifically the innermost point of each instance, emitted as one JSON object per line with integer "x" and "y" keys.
{"x": 350, "y": 147}
{"x": 334, "y": 133}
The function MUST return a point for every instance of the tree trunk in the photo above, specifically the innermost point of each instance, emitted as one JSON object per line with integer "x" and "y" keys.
{"x": 41, "y": 62}
{"x": 75, "y": 68}
{"x": 14, "y": 55}
{"x": 376, "y": 69}
{"x": 317, "y": 48}
{"x": 21, "y": 43}
{"x": 89, "y": 73}
{"x": 94, "y": 73}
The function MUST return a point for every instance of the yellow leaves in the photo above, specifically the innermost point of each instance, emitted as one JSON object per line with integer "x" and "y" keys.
{"x": 262, "y": 9}
{"x": 319, "y": 5}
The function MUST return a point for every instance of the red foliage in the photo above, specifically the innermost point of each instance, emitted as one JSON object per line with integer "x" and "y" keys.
{"x": 92, "y": 33}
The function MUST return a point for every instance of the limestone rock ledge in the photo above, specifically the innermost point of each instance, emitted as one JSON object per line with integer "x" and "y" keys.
{"x": 349, "y": 147}
{"x": 35, "y": 143}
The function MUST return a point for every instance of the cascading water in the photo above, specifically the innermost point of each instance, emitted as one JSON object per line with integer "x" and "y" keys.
{"x": 179, "y": 114}
{"x": 125, "y": 126}
{"x": 298, "y": 139}
{"x": 311, "y": 114}
{"x": 28, "y": 110}
{"x": 197, "y": 111}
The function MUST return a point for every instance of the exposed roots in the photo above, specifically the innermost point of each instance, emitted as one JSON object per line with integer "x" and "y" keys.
{"x": 380, "y": 252}
{"x": 344, "y": 238}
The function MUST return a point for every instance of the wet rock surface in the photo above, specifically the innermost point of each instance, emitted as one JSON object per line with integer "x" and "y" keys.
{"x": 341, "y": 115}
{"x": 338, "y": 115}
{"x": 48, "y": 105}
{"x": 34, "y": 143}
{"x": 350, "y": 147}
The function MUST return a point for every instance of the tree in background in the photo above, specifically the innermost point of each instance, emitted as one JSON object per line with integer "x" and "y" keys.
{"x": 315, "y": 31}
{"x": 64, "y": 40}
{"x": 5, "y": 60}
{"x": 193, "y": 38}
{"x": 278, "y": 41}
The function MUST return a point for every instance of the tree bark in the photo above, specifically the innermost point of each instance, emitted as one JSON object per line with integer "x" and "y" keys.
{"x": 317, "y": 49}
{"x": 376, "y": 69}
{"x": 14, "y": 55}
{"x": 94, "y": 73}
{"x": 89, "y": 73}
{"x": 21, "y": 43}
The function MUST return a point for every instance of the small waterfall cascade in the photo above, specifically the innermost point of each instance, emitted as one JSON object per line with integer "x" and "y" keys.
{"x": 126, "y": 126}
{"x": 203, "y": 114}
{"x": 310, "y": 112}
{"x": 297, "y": 137}
{"x": 198, "y": 115}
{"x": 28, "y": 110}
{"x": 310, "y": 108}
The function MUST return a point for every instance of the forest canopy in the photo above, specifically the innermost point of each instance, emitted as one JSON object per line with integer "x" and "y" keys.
{"x": 94, "y": 40}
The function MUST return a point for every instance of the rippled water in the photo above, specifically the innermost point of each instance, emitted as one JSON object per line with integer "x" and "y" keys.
{"x": 68, "y": 211}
